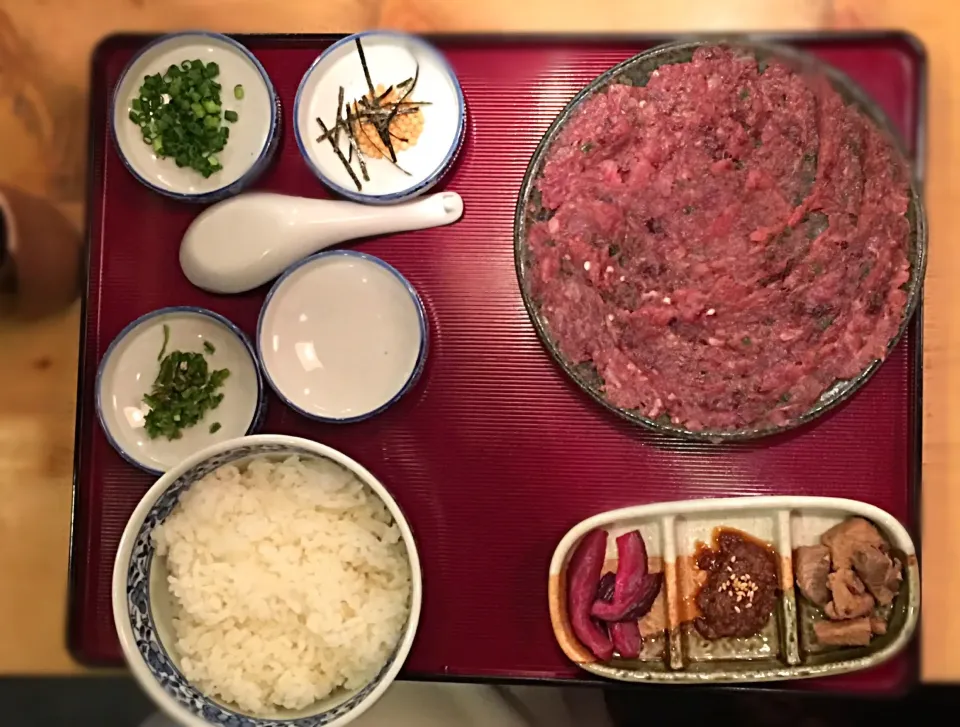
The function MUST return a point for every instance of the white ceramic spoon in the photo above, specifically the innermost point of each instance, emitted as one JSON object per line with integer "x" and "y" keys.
{"x": 246, "y": 241}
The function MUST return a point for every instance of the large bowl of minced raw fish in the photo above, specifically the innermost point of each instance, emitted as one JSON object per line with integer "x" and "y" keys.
{"x": 266, "y": 581}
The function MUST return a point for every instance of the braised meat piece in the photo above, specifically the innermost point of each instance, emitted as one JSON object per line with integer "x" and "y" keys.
{"x": 879, "y": 572}
{"x": 852, "y": 535}
{"x": 812, "y": 566}
{"x": 850, "y": 597}
{"x": 855, "y": 632}
{"x": 878, "y": 625}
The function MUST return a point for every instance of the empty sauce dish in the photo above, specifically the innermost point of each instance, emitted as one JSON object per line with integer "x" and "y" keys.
{"x": 342, "y": 336}
{"x": 175, "y": 381}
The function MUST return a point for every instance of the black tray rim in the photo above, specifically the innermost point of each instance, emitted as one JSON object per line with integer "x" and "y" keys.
{"x": 805, "y": 38}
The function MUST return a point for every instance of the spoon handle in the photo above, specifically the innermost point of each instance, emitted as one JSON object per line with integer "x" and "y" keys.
{"x": 244, "y": 242}
{"x": 341, "y": 220}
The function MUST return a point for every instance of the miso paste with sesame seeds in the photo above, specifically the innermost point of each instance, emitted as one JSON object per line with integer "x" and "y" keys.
{"x": 741, "y": 587}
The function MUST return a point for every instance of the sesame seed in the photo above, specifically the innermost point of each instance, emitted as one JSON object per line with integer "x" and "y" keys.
{"x": 609, "y": 268}
{"x": 667, "y": 301}
{"x": 733, "y": 559}
{"x": 749, "y": 605}
{"x": 586, "y": 265}
{"x": 710, "y": 313}
{"x": 609, "y": 316}
{"x": 737, "y": 609}
{"x": 622, "y": 278}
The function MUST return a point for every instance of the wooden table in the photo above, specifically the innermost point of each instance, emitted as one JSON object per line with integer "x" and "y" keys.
{"x": 45, "y": 48}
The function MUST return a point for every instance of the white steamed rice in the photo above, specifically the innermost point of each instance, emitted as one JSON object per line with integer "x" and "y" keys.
{"x": 290, "y": 580}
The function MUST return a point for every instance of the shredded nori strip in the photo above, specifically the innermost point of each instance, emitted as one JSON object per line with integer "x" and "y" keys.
{"x": 336, "y": 127}
{"x": 355, "y": 146}
{"x": 366, "y": 70}
{"x": 166, "y": 340}
{"x": 339, "y": 153}
{"x": 385, "y": 133}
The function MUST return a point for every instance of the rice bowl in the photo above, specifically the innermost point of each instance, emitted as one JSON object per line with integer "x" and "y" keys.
{"x": 268, "y": 579}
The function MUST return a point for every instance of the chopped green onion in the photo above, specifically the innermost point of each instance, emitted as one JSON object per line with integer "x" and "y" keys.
{"x": 166, "y": 340}
{"x": 209, "y": 347}
{"x": 215, "y": 427}
{"x": 238, "y": 92}
{"x": 180, "y": 115}
{"x": 183, "y": 392}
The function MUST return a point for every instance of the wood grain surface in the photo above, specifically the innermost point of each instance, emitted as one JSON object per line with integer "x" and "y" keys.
{"x": 45, "y": 47}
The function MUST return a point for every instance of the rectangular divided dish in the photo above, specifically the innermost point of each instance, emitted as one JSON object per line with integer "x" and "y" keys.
{"x": 674, "y": 651}
{"x": 494, "y": 454}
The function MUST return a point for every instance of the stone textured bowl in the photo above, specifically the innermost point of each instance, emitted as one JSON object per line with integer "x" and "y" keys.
{"x": 636, "y": 71}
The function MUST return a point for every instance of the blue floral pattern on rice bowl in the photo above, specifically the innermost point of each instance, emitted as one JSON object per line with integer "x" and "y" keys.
{"x": 157, "y": 660}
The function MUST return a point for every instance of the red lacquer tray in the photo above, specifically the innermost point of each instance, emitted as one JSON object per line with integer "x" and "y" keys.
{"x": 494, "y": 455}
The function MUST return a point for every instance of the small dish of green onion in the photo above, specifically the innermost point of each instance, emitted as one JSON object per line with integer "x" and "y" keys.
{"x": 195, "y": 116}
{"x": 174, "y": 382}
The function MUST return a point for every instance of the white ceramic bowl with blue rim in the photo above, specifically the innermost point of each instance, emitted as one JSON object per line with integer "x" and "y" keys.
{"x": 253, "y": 137}
{"x": 342, "y": 336}
{"x": 130, "y": 366}
{"x": 142, "y": 602}
{"x": 391, "y": 58}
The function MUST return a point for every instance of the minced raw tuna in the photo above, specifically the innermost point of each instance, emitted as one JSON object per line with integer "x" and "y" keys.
{"x": 725, "y": 242}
